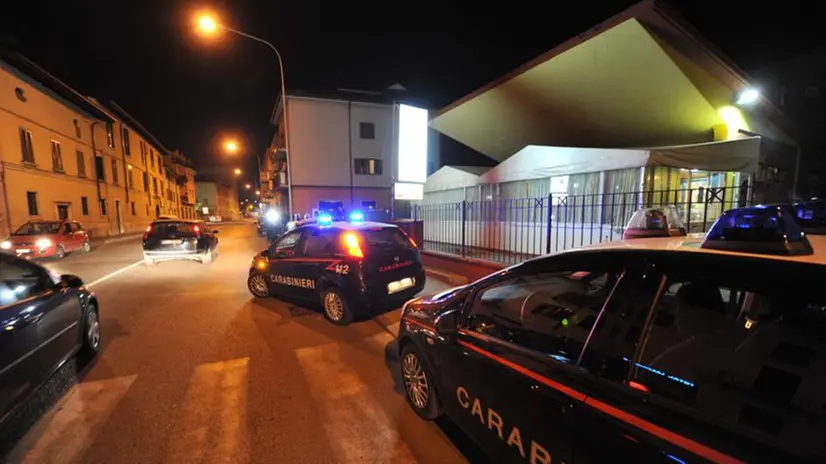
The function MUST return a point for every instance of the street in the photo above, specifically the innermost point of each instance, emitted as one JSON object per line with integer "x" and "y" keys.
{"x": 193, "y": 369}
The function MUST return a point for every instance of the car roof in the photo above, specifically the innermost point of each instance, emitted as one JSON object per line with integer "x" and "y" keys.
{"x": 188, "y": 221}
{"x": 691, "y": 243}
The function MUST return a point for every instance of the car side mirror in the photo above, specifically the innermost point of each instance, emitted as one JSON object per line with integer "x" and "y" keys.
{"x": 70, "y": 281}
{"x": 447, "y": 324}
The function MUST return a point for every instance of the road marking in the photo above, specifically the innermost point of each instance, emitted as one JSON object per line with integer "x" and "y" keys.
{"x": 71, "y": 426}
{"x": 356, "y": 426}
{"x": 212, "y": 423}
{"x": 113, "y": 274}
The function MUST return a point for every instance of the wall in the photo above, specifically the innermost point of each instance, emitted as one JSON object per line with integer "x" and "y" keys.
{"x": 307, "y": 198}
{"x": 381, "y": 147}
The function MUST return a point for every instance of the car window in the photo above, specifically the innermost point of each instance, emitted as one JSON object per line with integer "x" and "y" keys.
{"x": 38, "y": 228}
{"x": 745, "y": 351}
{"x": 321, "y": 242}
{"x": 20, "y": 279}
{"x": 288, "y": 243}
{"x": 77, "y": 226}
{"x": 67, "y": 228}
{"x": 176, "y": 229}
{"x": 549, "y": 312}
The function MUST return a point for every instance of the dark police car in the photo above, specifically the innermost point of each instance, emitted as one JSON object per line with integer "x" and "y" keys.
{"x": 44, "y": 320}
{"x": 350, "y": 267}
{"x": 673, "y": 349}
{"x": 179, "y": 239}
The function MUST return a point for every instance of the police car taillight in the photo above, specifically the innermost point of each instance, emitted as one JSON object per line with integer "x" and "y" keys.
{"x": 654, "y": 222}
{"x": 352, "y": 245}
{"x": 758, "y": 229}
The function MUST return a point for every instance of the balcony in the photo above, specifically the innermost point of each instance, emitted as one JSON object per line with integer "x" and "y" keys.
{"x": 280, "y": 180}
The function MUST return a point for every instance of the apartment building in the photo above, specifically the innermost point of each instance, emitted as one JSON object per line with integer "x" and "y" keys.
{"x": 185, "y": 182}
{"x": 216, "y": 199}
{"x": 63, "y": 155}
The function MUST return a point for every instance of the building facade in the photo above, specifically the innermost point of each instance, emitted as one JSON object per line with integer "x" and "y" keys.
{"x": 69, "y": 156}
{"x": 215, "y": 199}
{"x": 185, "y": 181}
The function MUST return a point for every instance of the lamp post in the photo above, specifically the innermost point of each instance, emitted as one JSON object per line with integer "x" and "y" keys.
{"x": 209, "y": 25}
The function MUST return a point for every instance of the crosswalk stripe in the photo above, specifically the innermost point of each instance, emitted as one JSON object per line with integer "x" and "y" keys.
{"x": 63, "y": 433}
{"x": 356, "y": 426}
{"x": 212, "y": 420}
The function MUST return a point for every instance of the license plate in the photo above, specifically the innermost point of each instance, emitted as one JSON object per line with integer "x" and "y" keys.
{"x": 23, "y": 250}
{"x": 399, "y": 285}
{"x": 170, "y": 242}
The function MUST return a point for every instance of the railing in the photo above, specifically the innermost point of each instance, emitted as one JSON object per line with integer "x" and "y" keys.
{"x": 512, "y": 230}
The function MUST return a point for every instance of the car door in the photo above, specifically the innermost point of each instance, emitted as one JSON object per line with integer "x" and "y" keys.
{"x": 66, "y": 238}
{"x": 318, "y": 249}
{"x": 80, "y": 234}
{"x": 511, "y": 379}
{"x": 34, "y": 319}
{"x": 284, "y": 276}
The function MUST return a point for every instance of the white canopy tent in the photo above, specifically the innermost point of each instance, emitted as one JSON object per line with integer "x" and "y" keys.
{"x": 454, "y": 177}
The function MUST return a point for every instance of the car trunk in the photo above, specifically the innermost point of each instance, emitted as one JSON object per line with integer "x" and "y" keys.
{"x": 172, "y": 236}
{"x": 389, "y": 259}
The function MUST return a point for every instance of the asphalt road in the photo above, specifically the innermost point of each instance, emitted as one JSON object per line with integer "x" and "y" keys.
{"x": 193, "y": 369}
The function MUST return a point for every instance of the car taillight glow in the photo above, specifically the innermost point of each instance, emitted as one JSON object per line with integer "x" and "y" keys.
{"x": 351, "y": 242}
{"x": 197, "y": 230}
{"x": 146, "y": 232}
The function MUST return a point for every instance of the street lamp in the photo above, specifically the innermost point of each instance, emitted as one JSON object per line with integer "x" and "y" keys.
{"x": 237, "y": 172}
{"x": 231, "y": 146}
{"x": 208, "y": 25}
{"x": 247, "y": 186}
{"x": 257, "y": 192}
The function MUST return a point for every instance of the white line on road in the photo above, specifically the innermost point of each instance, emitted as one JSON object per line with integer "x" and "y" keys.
{"x": 113, "y": 274}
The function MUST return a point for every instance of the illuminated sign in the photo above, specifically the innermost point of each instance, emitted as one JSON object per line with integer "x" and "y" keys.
{"x": 412, "y": 144}
{"x": 404, "y": 191}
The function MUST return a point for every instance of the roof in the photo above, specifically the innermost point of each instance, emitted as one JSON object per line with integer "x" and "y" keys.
{"x": 388, "y": 97}
{"x": 38, "y": 77}
{"x": 127, "y": 118}
{"x": 691, "y": 244}
{"x": 641, "y": 78}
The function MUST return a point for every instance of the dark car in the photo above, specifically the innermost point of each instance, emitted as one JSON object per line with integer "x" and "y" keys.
{"x": 45, "y": 239}
{"x": 351, "y": 268}
{"x": 44, "y": 321}
{"x": 650, "y": 350}
{"x": 179, "y": 239}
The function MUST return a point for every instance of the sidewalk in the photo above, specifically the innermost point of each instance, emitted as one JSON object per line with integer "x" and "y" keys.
{"x": 98, "y": 241}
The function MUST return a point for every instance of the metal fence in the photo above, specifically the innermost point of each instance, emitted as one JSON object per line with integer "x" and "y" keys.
{"x": 512, "y": 230}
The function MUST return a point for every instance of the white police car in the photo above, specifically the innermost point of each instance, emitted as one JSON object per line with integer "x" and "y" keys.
{"x": 670, "y": 349}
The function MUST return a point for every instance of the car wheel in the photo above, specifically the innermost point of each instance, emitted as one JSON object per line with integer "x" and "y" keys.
{"x": 91, "y": 332}
{"x": 207, "y": 258}
{"x": 335, "y": 306}
{"x": 258, "y": 286}
{"x": 59, "y": 252}
{"x": 148, "y": 261}
{"x": 87, "y": 246}
{"x": 418, "y": 384}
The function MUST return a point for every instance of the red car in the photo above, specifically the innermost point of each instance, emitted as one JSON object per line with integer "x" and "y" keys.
{"x": 44, "y": 239}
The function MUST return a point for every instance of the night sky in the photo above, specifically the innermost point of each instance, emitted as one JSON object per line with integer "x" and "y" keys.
{"x": 143, "y": 54}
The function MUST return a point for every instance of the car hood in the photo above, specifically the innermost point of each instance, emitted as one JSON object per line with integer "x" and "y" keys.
{"x": 426, "y": 308}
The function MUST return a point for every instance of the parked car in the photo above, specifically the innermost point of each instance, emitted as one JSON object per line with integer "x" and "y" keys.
{"x": 45, "y": 319}
{"x": 189, "y": 239}
{"x": 44, "y": 239}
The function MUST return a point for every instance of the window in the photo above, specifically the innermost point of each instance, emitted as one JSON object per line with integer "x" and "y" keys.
{"x": 143, "y": 152}
{"x": 145, "y": 182}
{"x": 26, "y": 146}
{"x": 99, "y": 168}
{"x": 130, "y": 181}
{"x": 31, "y": 198}
{"x": 77, "y": 128}
{"x": 152, "y": 158}
{"x": 110, "y": 134}
{"x": 20, "y": 279}
{"x": 147, "y": 209}
{"x": 115, "y": 171}
{"x": 102, "y": 205}
{"x": 367, "y": 166}
{"x": 367, "y": 130}
{"x": 81, "y": 163}
{"x": 322, "y": 242}
{"x": 550, "y": 312}
{"x": 127, "y": 148}
{"x": 84, "y": 206}
{"x": 57, "y": 157}
{"x": 288, "y": 243}
{"x": 133, "y": 209}
{"x": 155, "y": 186}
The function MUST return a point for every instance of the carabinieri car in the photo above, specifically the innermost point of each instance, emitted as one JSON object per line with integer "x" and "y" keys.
{"x": 352, "y": 268}
{"x": 672, "y": 349}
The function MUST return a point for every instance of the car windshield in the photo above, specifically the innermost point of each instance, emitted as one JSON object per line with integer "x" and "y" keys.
{"x": 38, "y": 228}
{"x": 178, "y": 229}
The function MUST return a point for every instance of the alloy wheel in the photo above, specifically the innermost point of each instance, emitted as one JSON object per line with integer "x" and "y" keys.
{"x": 415, "y": 381}
{"x": 333, "y": 306}
{"x": 258, "y": 285}
{"x": 93, "y": 330}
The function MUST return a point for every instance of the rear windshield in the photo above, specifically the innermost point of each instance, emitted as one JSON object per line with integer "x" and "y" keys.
{"x": 386, "y": 237}
{"x": 38, "y": 228}
{"x": 179, "y": 229}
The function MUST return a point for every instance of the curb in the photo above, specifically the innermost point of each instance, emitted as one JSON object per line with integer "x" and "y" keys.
{"x": 452, "y": 279}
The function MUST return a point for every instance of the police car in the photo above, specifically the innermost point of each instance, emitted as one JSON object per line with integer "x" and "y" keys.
{"x": 350, "y": 267}
{"x": 671, "y": 349}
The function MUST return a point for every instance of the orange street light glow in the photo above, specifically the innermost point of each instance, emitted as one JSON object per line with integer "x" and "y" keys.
{"x": 237, "y": 172}
{"x": 247, "y": 186}
{"x": 207, "y": 24}
{"x": 231, "y": 146}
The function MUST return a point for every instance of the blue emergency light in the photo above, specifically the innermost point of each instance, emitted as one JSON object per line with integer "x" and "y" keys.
{"x": 324, "y": 219}
{"x": 356, "y": 216}
{"x": 767, "y": 229}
